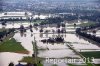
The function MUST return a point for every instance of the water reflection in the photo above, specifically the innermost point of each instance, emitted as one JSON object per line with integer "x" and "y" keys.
{"x": 46, "y": 35}
{"x": 31, "y": 35}
{"x": 52, "y": 50}
{"x": 90, "y": 41}
{"x": 21, "y": 34}
{"x": 41, "y": 35}
{"x": 25, "y": 35}
{"x": 76, "y": 41}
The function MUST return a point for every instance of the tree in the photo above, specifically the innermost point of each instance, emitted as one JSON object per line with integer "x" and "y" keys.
{"x": 63, "y": 25}
{"x": 36, "y": 25}
{"x": 53, "y": 30}
{"x": 11, "y": 64}
{"x": 46, "y": 31}
{"x": 41, "y": 30}
{"x": 30, "y": 26}
{"x": 74, "y": 25}
{"x": 58, "y": 25}
{"x": 58, "y": 31}
{"x": 4, "y": 23}
{"x": 55, "y": 20}
{"x": 22, "y": 28}
{"x": 94, "y": 32}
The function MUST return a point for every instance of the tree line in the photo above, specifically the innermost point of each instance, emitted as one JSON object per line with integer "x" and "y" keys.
{"x": 80, "y": 31}
{"x": 5, "y": 33}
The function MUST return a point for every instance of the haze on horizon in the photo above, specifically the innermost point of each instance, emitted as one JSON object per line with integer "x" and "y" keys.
{"x": 10, "y": 5}
{"x": 50, "y": 0}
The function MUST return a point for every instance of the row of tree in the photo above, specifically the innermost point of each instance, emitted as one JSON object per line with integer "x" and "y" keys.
{"x": 28, "y": 64}
{"x": 89, "y": 36}
{"x": 53, "y": 40}
{"x": 90, "y": 27}
{"x": 80, "y": 31}
{"x": 5, "y": 33}
{"x": 54, "y": 31}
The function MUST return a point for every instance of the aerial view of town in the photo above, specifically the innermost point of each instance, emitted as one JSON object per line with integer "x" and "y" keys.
{"x": 49, "y": 32}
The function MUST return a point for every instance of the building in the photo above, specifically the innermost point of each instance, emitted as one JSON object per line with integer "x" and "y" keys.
{"x": 15, "y": 15}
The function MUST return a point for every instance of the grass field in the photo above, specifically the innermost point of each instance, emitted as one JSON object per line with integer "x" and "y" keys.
{"x": 83, "y": 24}
{"x": 54, "y": 65}
{"x": 31, "y": 60}
{"x": 32, "y": 22}
{"x": 95, "y": 54}
{"x": 75, "y": 65}
{"x": 87, "y": 24}
{"x": 11, "y": 45}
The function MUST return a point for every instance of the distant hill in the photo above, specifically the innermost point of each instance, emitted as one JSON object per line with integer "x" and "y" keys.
{"x": 51, "y": 4}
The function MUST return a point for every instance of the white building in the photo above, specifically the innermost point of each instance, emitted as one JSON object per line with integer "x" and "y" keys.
{"x": 15, "y": 15}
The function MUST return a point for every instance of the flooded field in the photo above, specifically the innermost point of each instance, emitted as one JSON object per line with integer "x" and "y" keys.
{"x": 48, "y": 50}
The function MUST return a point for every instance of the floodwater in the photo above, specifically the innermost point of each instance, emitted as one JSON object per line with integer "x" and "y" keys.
{"x": 26, "y": 42}
{"x": 60, "y": 50}
{"x": 96, "y": 34}
{"x": 41, "y": 16}
{"x": 7, "y": 57}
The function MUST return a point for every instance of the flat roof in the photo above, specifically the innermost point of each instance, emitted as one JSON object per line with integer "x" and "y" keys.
{"x": 14, "y": 14}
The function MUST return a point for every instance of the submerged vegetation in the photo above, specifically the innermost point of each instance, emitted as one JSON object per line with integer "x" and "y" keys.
{"x": 32, "y": 61}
